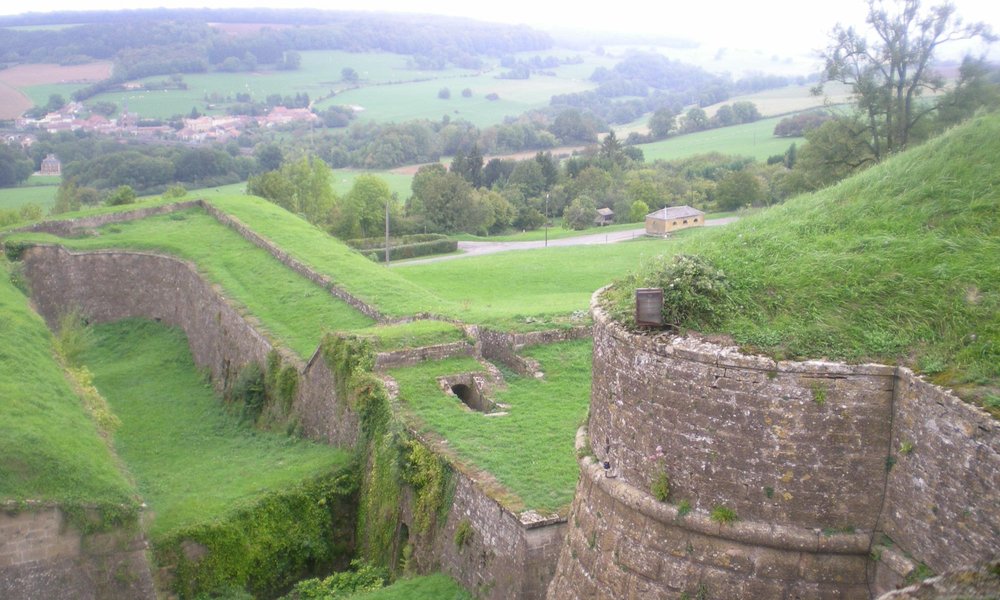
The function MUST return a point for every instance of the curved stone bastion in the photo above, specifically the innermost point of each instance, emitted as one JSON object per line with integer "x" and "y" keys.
{"x": 785, "y": 479}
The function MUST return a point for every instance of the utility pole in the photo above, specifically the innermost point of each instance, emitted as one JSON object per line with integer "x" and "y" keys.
{"x": 387, "y": 231}
{"x": 546, "y": 220}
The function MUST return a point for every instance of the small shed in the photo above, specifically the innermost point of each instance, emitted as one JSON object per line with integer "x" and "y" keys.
{"x": 605, "y": 216}
{"x": 51, "y": 165}
{"x": 673, "y": 218}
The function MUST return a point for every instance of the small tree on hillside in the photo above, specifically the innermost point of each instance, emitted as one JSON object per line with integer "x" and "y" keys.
{"x": 889, "y": 67}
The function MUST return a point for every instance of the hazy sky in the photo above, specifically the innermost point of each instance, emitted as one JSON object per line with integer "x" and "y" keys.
{"x": 788, "y": 26}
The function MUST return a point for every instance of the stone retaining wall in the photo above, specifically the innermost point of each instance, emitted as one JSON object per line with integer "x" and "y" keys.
{"x": 43, "y": 556}
{"x": 817, "y": 459}
{"x": 504, "y": 347}
{"x": 412, "y": 356}
{"x": 70, "y": 227}
{"x": 512, "y": 556}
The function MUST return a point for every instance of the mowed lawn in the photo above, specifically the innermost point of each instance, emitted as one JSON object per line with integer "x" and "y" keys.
{"x": 530, "y": 449}
{"x": 528, "y": 289}
{"x": 192, "y": 461}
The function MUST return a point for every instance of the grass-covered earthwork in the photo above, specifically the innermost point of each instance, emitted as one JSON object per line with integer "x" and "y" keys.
{"x": 51, "y": 448}
{"x": 192, "y": 461}
{"x": 900, "y": 264}
{"x": 292, "y": 309}
{"x": 530, "y": 449}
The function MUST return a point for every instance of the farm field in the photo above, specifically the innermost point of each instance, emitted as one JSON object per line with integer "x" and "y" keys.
{"x": 192, "y": 461}
{"x": 541, "y": 421}
{"x": 21, "y": 86}
{"x": 790, "y": 99}
{"x": 419, "y": 100}
{"x": 755, "y": 140}
{"x": 42, "y": 195}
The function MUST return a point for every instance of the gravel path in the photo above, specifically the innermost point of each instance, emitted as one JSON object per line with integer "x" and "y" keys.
{"x": 468, "y": 249}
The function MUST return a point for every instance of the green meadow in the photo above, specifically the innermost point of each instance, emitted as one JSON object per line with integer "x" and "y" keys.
{"x": 41, "y": 195}
{"x": 756, "y": 140}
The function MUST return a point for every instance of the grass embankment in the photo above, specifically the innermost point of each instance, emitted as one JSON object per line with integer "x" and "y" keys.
{"x": 50, "y": 447}
{"x": 530, "y": 449}
{"x": 898, "y": 264}
{"x": 192, "y": 461}
{"x": 376, "y": 285}
{"x": 414, "y": 334}
{"x": 292, "y": 309}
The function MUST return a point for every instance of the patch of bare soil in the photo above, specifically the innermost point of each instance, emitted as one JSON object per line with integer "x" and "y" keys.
{"x": 39, "y": 74}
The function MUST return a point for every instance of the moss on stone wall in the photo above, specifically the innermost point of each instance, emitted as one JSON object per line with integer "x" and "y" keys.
{"x": 266, "y": 546}
{"x": 393, "y": 459}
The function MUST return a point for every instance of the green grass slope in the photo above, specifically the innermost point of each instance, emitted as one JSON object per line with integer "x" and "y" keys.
{"x": 294, "y": 310}
{"x": 530, "y": 449}
{"x": 192, "y": 461}
{"x": 50, "y": 449}
{"x": 900, "y": 264}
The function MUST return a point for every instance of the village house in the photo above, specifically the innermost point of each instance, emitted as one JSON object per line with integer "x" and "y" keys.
{"x": 605, "y": 216}
{"x": 50, "y": 166}
{"x": 672, "y": 218}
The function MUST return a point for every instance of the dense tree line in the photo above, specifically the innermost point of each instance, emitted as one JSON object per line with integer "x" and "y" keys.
{"x": 653, "y": 82}
{"x": 159, "y": 41}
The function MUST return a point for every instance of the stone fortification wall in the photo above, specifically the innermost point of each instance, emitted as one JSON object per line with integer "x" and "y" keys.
{"x": 503, "y": 347}
{"x": 505, "y": 555}
{"x": 816, "y": 459}
{"x": 112, "y": 285}
{"x": 412, "y": 356}
{"x": 942, "y": 498}
{"x": 69, "y": 227}
{"x": 43, "y": 556}
{"x": 508, "y": 556}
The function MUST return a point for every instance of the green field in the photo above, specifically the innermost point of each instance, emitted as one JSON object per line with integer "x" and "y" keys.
{"x": 530, "y": 449}
{"x": 427, "y": 587}
{"x": 389, "y": 90}
{"x": 755, "y": 140}
{"x": 531, "y": 289}
{"x": 42, "y": 195}
{"x": 192, "y": 461}
{"x": 319, "y": 76}
{"x": 50, "y": 446}
{"x": 419, "y": 100}
{"x": 39, "y": 94}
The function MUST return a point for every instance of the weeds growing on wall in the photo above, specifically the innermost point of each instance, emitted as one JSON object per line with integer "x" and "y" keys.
{"x": 265, "y": 546}
{"x": 391, "y": 457}
{"x": 695, "y": 291}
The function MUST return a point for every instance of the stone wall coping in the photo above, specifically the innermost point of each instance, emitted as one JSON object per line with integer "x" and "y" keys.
{"x": 710, "y": 353}
{"x": 783, "y": 537}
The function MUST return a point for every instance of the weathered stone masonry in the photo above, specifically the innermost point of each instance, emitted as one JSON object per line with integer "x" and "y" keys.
{"x": 799, "y": 451}
{"x": 508, "y": 556}
{"x": 43, "y": 556}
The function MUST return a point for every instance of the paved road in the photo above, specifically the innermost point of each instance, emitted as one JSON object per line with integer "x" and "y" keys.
{"x": 479, "y": 248}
